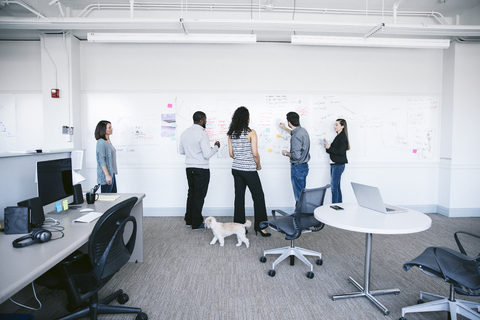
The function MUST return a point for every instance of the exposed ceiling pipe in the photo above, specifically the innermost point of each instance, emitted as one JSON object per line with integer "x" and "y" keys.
{"x": 268, "y": 7}
{"x": 131, "y": 8}
{"x": 26, "y": 6}
{"x": 395, "y": 8}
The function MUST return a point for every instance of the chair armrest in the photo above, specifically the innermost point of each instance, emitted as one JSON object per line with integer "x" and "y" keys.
{"x": 283, "y": 213}
{"x": 459, "y": 244}
{"x": 76, "y": 255}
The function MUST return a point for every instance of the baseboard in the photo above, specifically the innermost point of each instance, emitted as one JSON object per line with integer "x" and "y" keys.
{"x": 219, "y": 212}
{"x": 458, "y": 212}
{"x": 215, "y": 212}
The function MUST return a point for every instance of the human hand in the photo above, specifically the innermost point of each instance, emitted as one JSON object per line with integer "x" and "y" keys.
{"x": 326, "y": 144}
{"x": 284, "y": 152}
{"x": 217, "y": 143}
{"x": 282, "y": 125}
{"x": 109, "y": 179}
{"x": 259, "y": 167}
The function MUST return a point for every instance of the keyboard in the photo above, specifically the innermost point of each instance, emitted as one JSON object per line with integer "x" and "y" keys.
{"x": 89, "y": 217}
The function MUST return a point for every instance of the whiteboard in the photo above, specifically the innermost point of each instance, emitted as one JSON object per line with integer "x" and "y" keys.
{"x": 381, "y": 127}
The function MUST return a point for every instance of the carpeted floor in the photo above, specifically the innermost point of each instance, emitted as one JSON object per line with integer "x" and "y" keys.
{"x": 184, "y": 277}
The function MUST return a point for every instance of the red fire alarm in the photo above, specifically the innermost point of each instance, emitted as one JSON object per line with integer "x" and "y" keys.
{"x": 55, "y": 93}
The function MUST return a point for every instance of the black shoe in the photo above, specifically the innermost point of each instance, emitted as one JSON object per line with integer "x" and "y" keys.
{"x": 263, "y": 234}
{"x": 200, "y": 227}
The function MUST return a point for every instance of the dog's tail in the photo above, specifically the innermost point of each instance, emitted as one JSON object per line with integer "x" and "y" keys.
{"x": 248, "y": 224}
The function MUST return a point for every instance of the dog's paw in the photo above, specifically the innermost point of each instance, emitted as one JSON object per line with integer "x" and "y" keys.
{"x": 239, "y": 244}
{"x": 221, "y": 244}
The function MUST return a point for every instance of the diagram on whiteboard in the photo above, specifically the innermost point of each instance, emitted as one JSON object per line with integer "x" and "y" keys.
{"x": 380, "y": 127}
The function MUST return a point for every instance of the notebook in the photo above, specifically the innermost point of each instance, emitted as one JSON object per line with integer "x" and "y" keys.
{"x": 89, "y": 217}
{"x": 370, "y": 197}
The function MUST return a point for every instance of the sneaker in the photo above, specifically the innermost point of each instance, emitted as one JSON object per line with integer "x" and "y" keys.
{"x": 200, "y": 227}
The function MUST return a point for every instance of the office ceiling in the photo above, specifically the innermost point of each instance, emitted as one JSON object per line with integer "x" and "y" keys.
{"x": 271, "y": 20}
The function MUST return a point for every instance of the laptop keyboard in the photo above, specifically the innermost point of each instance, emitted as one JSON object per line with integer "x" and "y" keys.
{"x": 389, "y": 209}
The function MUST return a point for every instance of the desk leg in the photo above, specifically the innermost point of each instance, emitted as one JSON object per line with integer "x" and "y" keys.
{"x": 365, "y": 291}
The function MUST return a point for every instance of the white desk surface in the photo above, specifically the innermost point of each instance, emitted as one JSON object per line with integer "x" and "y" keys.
{"x": 359, "y": 219}
{"x": 21, "y": 266}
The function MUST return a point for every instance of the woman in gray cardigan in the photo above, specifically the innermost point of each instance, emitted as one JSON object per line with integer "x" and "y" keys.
{"x": 106, "y": 158}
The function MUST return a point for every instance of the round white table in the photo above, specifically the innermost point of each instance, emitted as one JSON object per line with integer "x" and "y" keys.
{"x": 359, "y": 219}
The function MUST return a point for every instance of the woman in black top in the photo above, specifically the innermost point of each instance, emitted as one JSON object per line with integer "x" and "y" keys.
{"x": 338, "y": 157}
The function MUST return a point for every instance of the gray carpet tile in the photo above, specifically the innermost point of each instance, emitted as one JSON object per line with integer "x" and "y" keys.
{"x": 184, "y": 277}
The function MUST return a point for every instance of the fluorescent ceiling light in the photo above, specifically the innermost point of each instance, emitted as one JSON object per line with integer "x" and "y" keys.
{"x": 372, "y": 42}
{"x": 170, "y": 38}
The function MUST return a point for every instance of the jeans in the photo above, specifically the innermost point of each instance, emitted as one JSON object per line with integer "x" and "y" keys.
{"x": 336, "y": 171}
{"x": 109, "y": 188}
{"x": 250, "y": 179}
{"x": 198, "y": 180}
{"x": 298, "y": 174}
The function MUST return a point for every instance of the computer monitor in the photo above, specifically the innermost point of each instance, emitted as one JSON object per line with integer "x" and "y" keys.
{"x": 54, "y": 178}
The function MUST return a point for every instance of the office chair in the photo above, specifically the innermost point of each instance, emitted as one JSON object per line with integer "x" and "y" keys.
{"x": 82, "y": 276}
{"x": 456, "y": 268}
{"x": 294, "y": 225}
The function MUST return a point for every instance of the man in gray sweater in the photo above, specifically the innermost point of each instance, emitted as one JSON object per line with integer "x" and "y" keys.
{"x": 195, "y": 145}
{"x": 299, "y": 153}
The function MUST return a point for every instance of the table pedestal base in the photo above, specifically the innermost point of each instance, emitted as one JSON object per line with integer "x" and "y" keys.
{"x": 365, "y": 292}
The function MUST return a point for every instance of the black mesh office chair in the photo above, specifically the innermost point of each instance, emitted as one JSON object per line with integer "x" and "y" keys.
{"x": 456, "y": 268}
{"x": 294, "y": 225}
{"x": 82, "y": 276}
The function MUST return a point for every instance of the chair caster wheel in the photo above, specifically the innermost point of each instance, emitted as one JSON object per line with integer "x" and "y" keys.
{"x": 123, "y": 298}
{"x": 420, "y": 301}
{"x": 263, "y": 259}
{"x": 402, "y": 318}
{"x": 310, "y": 275}
{"x": 141, "y": 316}
{"x": 271, "y": 273}
{"x": 292, "y": 260}
{"x": 71, "y": 308}
{"x": 319, "y": 262}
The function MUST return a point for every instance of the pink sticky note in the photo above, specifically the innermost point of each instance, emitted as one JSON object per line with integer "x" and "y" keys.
{"x": 414, "y": 150}
{"x": 169, "y": 105}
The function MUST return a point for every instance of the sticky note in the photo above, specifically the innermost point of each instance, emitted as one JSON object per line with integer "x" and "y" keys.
{"x": 270, "y": 150}
{"x": 174, "y": 125}
{"x": 58, "y": 206}
{"x": 172, "y": 138}
{"x": 267, "y": 129}
{"x": 169, "y": 105}
{"x": 65, "y": 204}
{"x": 279, "y": 135}
{"x": 414, "y": 150}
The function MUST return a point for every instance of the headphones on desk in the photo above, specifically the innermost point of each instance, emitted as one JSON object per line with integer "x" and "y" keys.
{"x": 37, "y": 236}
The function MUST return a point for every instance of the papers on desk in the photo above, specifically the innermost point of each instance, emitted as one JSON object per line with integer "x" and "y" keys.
{"x": 89, "y": 217}
{"x": 104, "y": 197}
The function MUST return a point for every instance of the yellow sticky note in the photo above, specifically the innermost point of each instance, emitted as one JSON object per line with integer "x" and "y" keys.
{"x": 270, "y": 150}
{"x": 65, "y": 204}
{"x": 279, "y": 135}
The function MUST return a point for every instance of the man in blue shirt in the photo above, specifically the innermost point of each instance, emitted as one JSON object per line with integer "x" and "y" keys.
{"x": 299, "y": 153}
{"x": 195, "y": 145}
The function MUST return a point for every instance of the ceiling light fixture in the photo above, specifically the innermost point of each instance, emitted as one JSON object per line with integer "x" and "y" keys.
{"x": 371, "y": 42}
{"x": 170, "y": 38}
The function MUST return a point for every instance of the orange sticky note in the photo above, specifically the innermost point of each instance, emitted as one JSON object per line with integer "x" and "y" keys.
{"x": 270, "y": 150}
{"x": 279, "y": 135}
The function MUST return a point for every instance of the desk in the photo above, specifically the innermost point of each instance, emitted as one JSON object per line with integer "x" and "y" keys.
{"x": 356, "y": 218}
{"x": 21, "y": 266}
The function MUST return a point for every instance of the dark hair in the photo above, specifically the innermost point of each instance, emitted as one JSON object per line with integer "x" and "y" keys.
{"x": 343, "y": 123}
{"x": 239, "y": 123}
{"x": 293, "y": 118}
{"x": 199, "y": 115}
{"x": 101, "y": 129}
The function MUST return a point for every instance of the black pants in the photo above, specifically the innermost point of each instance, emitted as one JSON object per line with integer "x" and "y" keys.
{"x": 250, "y": 179}
{"x": 198, "y": 180}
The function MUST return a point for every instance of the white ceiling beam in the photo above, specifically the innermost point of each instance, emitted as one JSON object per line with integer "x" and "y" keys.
{"x": 155, "y": 25}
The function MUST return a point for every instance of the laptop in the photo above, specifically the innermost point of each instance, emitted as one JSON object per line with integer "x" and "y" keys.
{"x": 370, "y": 197}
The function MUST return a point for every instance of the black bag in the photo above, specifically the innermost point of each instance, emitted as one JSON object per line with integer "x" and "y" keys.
{"x": 17, "y": 220}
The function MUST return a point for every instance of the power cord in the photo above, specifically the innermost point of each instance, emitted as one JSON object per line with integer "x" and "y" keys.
{"x": 35, "y": 294}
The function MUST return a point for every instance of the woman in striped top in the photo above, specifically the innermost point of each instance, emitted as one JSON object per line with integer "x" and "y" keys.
{"x": 243, "y": 148}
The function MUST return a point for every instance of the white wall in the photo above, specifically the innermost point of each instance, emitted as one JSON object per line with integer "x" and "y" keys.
{"x": 264, "y": 68}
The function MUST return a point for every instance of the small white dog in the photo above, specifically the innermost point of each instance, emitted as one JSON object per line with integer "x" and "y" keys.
{"x": 223, "y": 230}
